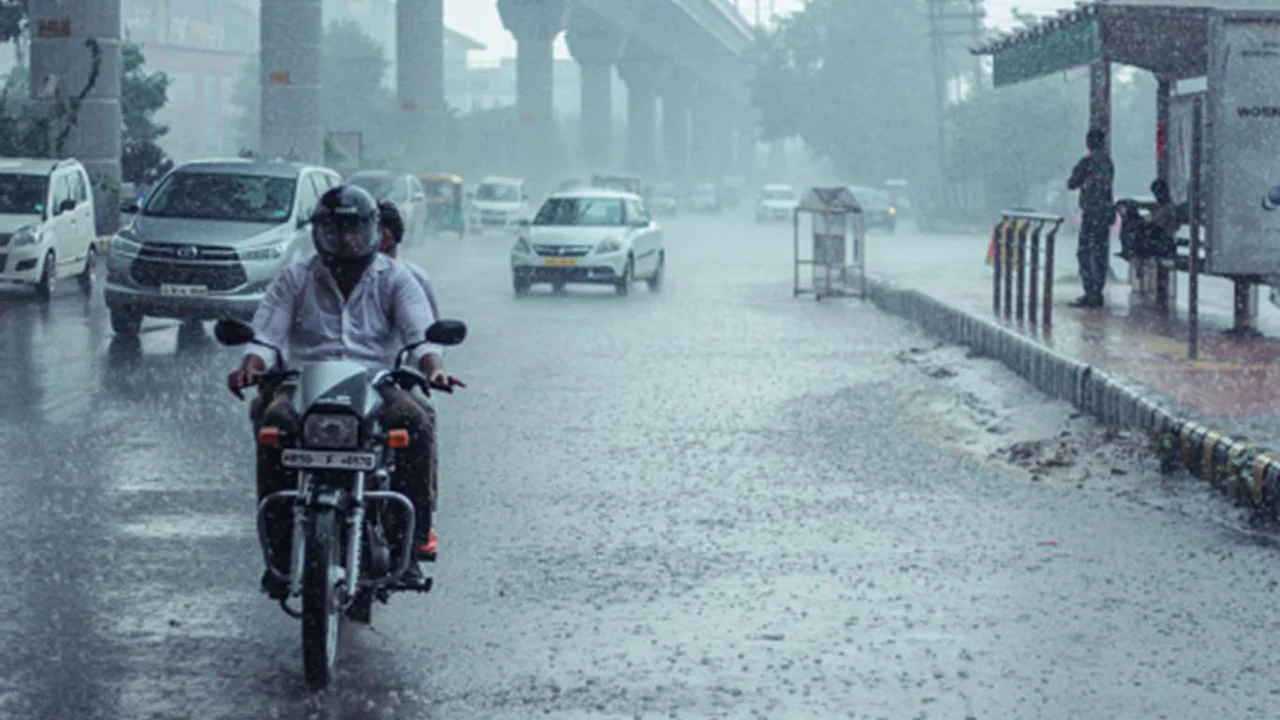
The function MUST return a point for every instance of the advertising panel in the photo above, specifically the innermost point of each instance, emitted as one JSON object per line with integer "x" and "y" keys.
{"x": 1244, "y": 145}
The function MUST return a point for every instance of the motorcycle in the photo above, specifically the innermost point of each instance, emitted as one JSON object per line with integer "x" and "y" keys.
{"x": 341, "y": 559}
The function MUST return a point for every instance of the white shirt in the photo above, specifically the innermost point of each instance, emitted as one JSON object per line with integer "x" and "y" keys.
{"x": 420, "y": 275}
{"x": 304, "y": 314}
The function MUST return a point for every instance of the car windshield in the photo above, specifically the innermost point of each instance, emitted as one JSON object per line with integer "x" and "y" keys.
{"x": 223, "y": 196}
{"x": 870, "y": 198}
{"x": 23, "y": 194}
{"x": 379, "y": 186}
{"x": 603, "y": 212}
{"x": 438, "y": 189}
{"x": 498, "y": 193}
{"x": 778, "y": 194}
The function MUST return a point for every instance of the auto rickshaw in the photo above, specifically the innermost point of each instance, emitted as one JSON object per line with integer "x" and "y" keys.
{"x": 445, "y": 202}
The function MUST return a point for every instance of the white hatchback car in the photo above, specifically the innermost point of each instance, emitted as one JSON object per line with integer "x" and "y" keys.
{"x": 600, "y": 237}
{"x": 46, "y": 224}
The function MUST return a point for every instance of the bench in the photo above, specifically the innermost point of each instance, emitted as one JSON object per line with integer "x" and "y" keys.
{"x": 1155, "y": 277}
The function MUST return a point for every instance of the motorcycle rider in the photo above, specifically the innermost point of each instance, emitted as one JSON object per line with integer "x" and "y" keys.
{"x": 348, "y": 302}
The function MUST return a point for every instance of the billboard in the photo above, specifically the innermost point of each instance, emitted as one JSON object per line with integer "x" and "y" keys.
{"x": 1243, "y": 144}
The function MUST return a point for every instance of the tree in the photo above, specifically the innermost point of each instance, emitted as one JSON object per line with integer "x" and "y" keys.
{"x": 142, "y": 94}
{"x": 844, "y": 76}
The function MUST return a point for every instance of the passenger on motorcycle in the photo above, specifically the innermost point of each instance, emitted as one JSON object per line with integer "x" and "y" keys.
{"x": 348, "y": 302}
{"x": 392, "y": 235}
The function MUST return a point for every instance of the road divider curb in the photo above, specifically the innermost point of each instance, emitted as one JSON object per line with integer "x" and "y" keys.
{"x": 1247, "y": 472}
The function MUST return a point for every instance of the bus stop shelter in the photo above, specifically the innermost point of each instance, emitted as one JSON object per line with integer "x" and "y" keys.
{"x": 1176, "y": 40}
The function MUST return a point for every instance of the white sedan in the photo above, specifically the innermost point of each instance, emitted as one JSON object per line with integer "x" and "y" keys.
{"x": 600, "y": 237}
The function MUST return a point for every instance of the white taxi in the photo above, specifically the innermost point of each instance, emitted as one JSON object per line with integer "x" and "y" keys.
{"x": 601, "y": 237}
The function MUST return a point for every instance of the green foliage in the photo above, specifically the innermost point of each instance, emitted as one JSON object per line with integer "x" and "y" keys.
{"x": 13, "y": 19}
{"x": 29, "y": 129}
{"x": 845, "y": 76}
{"x": 142, "y": 94}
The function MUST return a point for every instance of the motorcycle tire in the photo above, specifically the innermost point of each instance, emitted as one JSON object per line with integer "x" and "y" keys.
{"x": 321, "y": 614}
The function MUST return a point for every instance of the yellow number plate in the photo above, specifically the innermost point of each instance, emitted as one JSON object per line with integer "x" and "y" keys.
{"x": 560, "y": 262}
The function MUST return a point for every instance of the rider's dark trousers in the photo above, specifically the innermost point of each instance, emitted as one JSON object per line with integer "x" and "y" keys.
{"x": 415, "y": 474}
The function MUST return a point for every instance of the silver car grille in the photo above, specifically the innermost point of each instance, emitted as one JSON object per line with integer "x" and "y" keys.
{"x": 188, "y": 253}
{"x": 562, "y": 250}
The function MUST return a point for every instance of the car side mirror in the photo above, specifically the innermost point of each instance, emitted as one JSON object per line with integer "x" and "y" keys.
{"x": 445, "y": 332}
{"x": 67, "y": 206}
{"x": 522, "y": 222}
{"x": 130, "y": 207}
{"x": 232, "y": 332}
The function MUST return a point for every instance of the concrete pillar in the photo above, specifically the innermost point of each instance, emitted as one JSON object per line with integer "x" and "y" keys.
{"x": 535, "y": 24}
{"x": 292, "y": 118}
{"x": 597, "y": 45}
{"x": 712, "y": 139}
{"x": 641, "y": 78}
{"x": 420, "y": 80}
{"x": 677, "y": 95}
{"x": 61, "y": 66}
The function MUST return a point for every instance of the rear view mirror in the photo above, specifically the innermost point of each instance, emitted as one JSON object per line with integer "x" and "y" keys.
{"x": 445, "y": 332}
{"x": 522, "y": 222}
{"x": 232, "y": 332}
{"x": 67, "y": 206}
{"x": 130, "y": 207}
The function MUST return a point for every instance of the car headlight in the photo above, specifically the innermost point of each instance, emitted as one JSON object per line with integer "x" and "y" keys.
{"x": 523, "y": 247}
{"x": 331, "y": 432}
{"x": 893, "y": 211}
{"x": 29, "y": 235}
{"x": 609, "y": 245}
{"x": 270, "y": 252}
{"x": 121, "y": 245}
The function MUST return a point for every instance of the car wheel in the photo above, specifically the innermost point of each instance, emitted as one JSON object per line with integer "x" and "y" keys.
{"x": 125, "y": 322}
{"x": 520, "y": 285}
{"x": 655, "y": 282}
{"x": 48, "y": 277}
{"x": 623, "y": 286}
{"x": 85, "y": 278}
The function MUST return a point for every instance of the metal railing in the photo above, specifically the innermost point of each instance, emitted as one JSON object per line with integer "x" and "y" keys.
{"x": 1017, "y": 252}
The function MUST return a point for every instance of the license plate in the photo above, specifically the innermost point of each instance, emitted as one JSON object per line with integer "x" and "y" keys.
{"x": 560, "y": 262}
{"x": 184, "y": 290}
{"x": 323, "y": 460}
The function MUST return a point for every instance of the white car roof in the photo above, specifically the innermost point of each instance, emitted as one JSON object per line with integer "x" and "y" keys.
{"x": 496, "y": 180}
{"x": 595, "y": 193}
{"x": 779, "y": 187}
{"x": 30, "y": 166}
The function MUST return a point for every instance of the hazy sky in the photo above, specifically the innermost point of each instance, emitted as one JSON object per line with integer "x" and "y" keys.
{"x": 479, "y": 19}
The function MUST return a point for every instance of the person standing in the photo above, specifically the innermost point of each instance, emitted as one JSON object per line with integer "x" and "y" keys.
{"x": 1094, "y": 177}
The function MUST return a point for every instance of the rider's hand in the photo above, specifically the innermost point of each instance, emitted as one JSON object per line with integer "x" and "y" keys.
{"x": 440, "y": 380}
{"x": 246, "y": 375}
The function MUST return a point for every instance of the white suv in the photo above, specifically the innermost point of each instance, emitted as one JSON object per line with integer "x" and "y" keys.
{"x": 499, "y": 203}
{"x": 46, "y": 224}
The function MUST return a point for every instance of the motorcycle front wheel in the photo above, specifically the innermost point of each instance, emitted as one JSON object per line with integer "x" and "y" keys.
{"x": 321, "y": 614}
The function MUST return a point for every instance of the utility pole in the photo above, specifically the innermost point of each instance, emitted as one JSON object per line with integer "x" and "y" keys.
{"x": 951, "y": 20}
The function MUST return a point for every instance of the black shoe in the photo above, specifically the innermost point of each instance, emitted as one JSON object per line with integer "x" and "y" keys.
{"x": 1080, "y": 302}
{"x": 274, "y": 587}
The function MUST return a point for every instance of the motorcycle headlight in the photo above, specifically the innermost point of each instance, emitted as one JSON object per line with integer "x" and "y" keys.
{"x": 331, "y": 432}
{"x": 270, "y": 252}
{"x": 29, "y": 235}
{"x": 522, "y": 246}
{"x": 121, "y": 245}
{"x": 609, "y": 245}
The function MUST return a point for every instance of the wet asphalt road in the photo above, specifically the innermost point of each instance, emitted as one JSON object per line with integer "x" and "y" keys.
{"x": 709, "y": 502}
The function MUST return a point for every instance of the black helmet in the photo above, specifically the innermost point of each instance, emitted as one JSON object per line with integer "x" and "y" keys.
{"x": 344, "y": 226}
